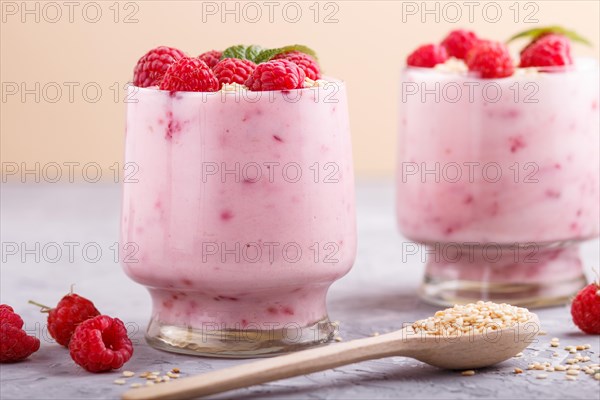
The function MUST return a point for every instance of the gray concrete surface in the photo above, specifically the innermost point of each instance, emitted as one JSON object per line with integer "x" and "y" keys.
{"x": 378, "y": 295}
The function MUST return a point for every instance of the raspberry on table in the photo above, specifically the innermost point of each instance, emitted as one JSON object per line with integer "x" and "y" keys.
{"x": 427, "y": 56}
{"x": 15, "y": 343}
{"x": 70, "y": 311}
{"x": 101, "y": 344}
{"x": 150, "y": 69}
{"x": 233, "y": 70}
{"x": 585, "y": 309}
{"x": 547, "y": 50}
{"x": 308, "y": 64}
{"x": 8, "y": 316}
{"x": 490, "y": 60}
{"x": 459, "y": 42}
{"x": 211, "y": 58}
{"x": 189, "y": 75}
{"x": 276, "y": 75}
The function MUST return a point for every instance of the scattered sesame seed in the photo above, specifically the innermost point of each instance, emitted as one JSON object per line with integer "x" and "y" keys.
{"x": 128, "y": 374}
{"x": 541, "y": 376}
{"x": 518, "y": 355}
{"x": 580, "y": 347}
{"x": 175, "y": 370}
{"x": 338, "y": 338}
{"x": 573, "y": 372}
{"x": 518, "y": 371}
{"x": 588, "y": 346}
{"x": 539, "y": 367}
{"x": 156, "y": 373}
{"x": 586, "y": 359}
{"x": 149, "y": 383}
{"x": 119, "y": 381}
{"x": 542, "y": 333}
{"x": 597, "y": 376}
{"x": 166, "y": 378}
{"x": 555, "y": 354}
{"x": 574, "y": 367}
{"x": 571, "y": 361}
{"x": 555, "y": 339}
{"x": 573, "y": 350}
{"x": 135, "y": 385}
{"x": 554, "y": 344}
{"x": 571, "y": 377}
{"x": 172, "y": 375}
{"x": 375, "y": 334}
{"x": 550, "y": 369}
{"x": 468, "y": 372}
{"x": 560, "y": 368}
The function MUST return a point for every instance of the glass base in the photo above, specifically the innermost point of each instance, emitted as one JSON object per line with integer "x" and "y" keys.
{"x": 529, "y": 275}
{"x": 238, "y": 343}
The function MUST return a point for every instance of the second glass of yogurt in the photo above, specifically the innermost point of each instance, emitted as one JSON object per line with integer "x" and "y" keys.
{"x": 243, "y": 215}
{"x": 498, "y": 181}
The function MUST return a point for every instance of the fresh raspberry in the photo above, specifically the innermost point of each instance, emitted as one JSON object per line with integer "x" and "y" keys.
{"x": 233, "y": 70}
{"x": 546, "y": 51}
{"x": 101, "y": 344}
{"x": 306, "y": 63}
{"x": 15, "y": 343}
{"x": 585, "y": 309}
{"x": 211, "y": 58}
{"x": 189, "y": 75}
{"x": 459, "y": 42}
{"x": 276, "y": 75}
{"x": 490, "y": 60}
{"x": 150, "y": 69}
{"x": 427, "y": 56}
{"x": 70, "y": 311}
{"x": 8, "y": 316}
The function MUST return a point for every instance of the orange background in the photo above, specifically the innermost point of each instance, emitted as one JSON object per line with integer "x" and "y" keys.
{"x": 364, "y": 43}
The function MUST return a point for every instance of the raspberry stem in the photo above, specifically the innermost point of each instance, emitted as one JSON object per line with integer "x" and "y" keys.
{"x": 44, "y": 309}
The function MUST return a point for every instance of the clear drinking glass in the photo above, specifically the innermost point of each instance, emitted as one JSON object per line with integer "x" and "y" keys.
{"x": 243, "y": 215}
{"x": 498, "y": 180}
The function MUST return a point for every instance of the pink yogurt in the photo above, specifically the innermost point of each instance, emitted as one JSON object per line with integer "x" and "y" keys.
{"x": 243, "y": 214}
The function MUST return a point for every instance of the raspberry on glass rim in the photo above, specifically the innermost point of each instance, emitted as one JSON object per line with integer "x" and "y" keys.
{"x": 189, "y": 75}
{"x": 427, "y": 56}
{"x": 211, "y": 58}
{"x": 280, "y": 74}
{"x": 305, "y": 62}
{"x": 459, "y": 42}
{"x": 233, "y": 70}
{"x": 152, "y": 66}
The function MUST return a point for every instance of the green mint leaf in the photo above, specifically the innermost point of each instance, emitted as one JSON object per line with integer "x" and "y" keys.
{"x": 252, "y": 52}
{"x": 243, "y": 52}
{"x": 238, "y": 51}
{"x": 536, "y": 32}
{"x": 268, "y": 54}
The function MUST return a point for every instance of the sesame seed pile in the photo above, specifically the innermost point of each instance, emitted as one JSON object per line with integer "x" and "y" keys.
{"x": 473, "y": 318}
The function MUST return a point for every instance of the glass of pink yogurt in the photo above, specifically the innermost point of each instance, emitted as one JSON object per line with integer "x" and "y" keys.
{"x": 242, "y": 215}
{"x": 498, "y": 181}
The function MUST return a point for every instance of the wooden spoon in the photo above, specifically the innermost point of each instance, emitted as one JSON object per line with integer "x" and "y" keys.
{"x": 463, "y": 352}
